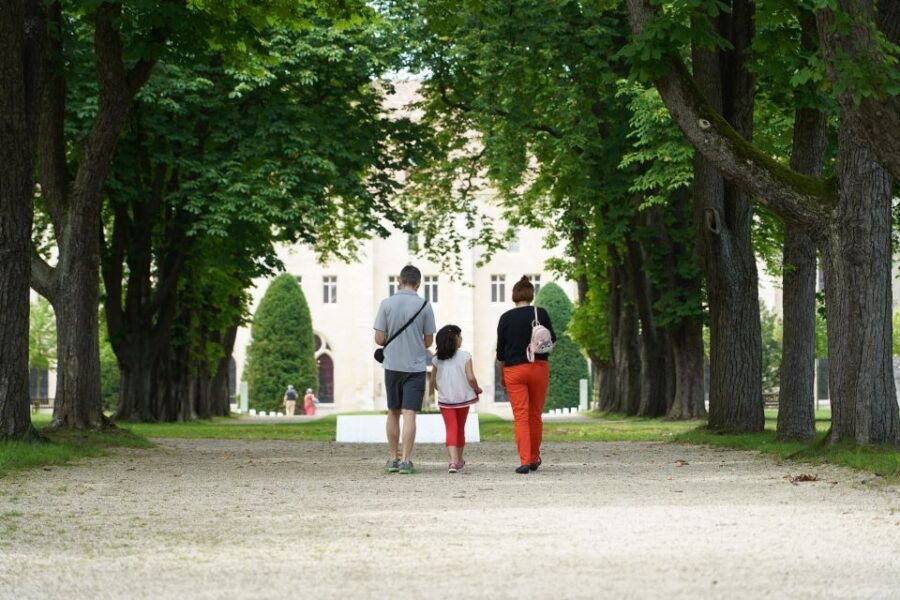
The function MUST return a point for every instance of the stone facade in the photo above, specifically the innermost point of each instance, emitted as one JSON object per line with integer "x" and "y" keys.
{"x": 343, "y": 299}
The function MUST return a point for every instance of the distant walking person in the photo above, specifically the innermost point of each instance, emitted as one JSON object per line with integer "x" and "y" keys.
{"x": 404, "y": 328}
{"x": 453, "y": 377}
{"x": 290, "y": 401}
{"x": 309, "y": 402}
{"x": 524, "y": 335}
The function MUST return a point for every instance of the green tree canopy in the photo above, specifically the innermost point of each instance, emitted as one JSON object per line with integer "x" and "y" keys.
{"x": 282, "y": 350}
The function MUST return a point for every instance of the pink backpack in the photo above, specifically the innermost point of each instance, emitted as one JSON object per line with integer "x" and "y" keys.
{"x": 541, "y": 339}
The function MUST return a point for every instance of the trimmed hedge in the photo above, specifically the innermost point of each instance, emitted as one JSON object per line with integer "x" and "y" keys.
{"x": 567, "y": 364}
{"x": 282, "y": 349}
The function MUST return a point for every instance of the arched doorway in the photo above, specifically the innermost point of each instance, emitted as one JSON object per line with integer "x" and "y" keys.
{"x": 326, "y": 378}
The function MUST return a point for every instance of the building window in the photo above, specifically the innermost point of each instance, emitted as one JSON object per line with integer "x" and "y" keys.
{"x": 393, "y": 284}
{"x": 498, "y": 288}
{"x": 329, "y": 289}
{"x": 431, "y": 288}
{"x": 512, "y": 245}
{"x": 536, "y": 282}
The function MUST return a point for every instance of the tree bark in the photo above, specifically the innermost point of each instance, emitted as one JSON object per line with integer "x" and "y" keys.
{"x": 853, "y": 219}
{"x": 652, "y": 399}
{"x": 20, "y": 38}
{"x": 72, "y": 286}
{"x": 795, "y": 197}
{"x": 626, "y": 395}
{"x": 684, "y": 338}
{"x": 875, "y": 116}
{"x": 858, "y": 300}
{"x": 723, "y": 214}
{"x": 686, "y": 342}
{"x": 796, "y": 397}
{"x": 138, "y": 392}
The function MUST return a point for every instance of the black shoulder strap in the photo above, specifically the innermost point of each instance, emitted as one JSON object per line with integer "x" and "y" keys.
{"x": 408, "y": 323}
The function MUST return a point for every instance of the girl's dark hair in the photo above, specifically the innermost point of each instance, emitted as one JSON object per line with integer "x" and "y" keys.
{"x": 446, "y": 341}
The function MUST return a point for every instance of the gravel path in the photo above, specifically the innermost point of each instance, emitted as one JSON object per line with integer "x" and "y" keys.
{"x": 261, "y": 519}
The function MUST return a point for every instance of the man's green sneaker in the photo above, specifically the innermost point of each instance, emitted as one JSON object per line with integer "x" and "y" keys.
{"x": 392, "y": 466}
{"x": 406, "y": 468}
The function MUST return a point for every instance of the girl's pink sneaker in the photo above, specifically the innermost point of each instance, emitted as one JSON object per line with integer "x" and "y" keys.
{"x": 453, "y": 468}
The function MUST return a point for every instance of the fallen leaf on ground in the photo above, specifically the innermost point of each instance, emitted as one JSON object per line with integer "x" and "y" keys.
{"x": 681, "y": 462}
{"x": 804, "y": 477}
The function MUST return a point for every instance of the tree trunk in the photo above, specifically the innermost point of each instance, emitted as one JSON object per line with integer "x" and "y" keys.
{"x": 626, "y": 395}
{"x": 796, "y": 396}
{"x": 652, "y": 399}
{"x": 605, "y": 384}
{"x": 17, "y": 63}
{"x": 858, "y": 300}
{"x": 723, "y": 214}
{"x": 78, "y": 402}
{"x": 138, "y": 373}
{"x": 687, "y": 354}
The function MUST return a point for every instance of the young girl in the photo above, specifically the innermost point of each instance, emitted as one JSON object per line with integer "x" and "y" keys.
{"x": 454, "y": 379}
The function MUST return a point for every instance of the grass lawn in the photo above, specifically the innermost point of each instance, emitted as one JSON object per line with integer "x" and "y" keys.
{"x": 62, "y": 447}
{"x": 875, "y": 459}
{"x": 599, "y": 428}
{"x": 231, "y": 428}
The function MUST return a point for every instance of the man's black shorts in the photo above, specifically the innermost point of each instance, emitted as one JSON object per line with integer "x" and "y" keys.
{"x": 404, "y": 390}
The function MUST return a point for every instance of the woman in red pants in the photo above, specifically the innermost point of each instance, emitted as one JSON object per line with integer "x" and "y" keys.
{"x": 526, "y": 375}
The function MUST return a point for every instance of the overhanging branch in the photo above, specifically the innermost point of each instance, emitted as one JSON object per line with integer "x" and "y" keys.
{"x": 795, "y": 197}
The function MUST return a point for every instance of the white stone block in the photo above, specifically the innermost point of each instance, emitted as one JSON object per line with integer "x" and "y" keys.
{"x": 370, "y": 429}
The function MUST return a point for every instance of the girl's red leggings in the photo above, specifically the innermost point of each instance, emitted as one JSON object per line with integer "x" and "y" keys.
{"x": 455, "y": 422}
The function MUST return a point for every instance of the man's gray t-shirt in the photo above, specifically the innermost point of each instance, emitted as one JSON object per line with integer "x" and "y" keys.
{"x": 407, "y": 352}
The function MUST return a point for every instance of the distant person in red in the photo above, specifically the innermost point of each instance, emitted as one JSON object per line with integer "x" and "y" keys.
{"x": 309, "y": 402}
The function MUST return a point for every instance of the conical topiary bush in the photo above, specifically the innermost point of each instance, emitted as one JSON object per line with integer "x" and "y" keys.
{"x": 282, "y": 350}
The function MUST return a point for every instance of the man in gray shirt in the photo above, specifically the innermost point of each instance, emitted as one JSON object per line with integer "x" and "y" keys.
{"x": 405, "y": 362}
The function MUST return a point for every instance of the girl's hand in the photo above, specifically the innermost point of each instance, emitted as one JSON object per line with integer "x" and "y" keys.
{"x": 478, "y": 390}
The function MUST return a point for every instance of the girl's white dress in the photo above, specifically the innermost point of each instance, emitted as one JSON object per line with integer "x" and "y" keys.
{"x": 454, "y": 390}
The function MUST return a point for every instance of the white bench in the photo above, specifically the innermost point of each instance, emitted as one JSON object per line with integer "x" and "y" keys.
{"x": 370, "y": 429}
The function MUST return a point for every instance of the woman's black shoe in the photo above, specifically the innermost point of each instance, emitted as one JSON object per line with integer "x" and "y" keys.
{"x": 534, "y": 466}
{"x": 522, "y": 469}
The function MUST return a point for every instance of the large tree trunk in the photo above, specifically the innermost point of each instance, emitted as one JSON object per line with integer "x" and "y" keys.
{"x": 849, "y": 30}
{"x": 723, "y": 215}
{"x": 687, "y": 354}
{"x": 626, "y": 394}
{"x": 75, "y": 209}
{"x": 796, "y": 398}
{"x": 17, "y": 94}
{"x": 76, "y": 302}
{"x": 858, "y": 300}
{"x": 138, "y": 393}
{"x": 652, "y": 400}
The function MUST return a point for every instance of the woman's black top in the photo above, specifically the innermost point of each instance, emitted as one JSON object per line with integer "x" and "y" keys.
{"x": 514, "y": 334}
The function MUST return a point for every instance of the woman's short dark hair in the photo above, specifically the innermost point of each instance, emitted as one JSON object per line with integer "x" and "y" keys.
{"x": 523, "y": 291}
{"x": 446, "y": 341}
